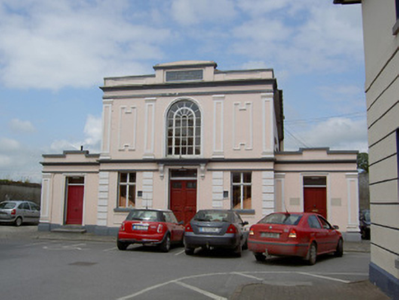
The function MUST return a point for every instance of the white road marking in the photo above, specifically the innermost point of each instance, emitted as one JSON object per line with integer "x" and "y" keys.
{"x": 110, "y": 249}
{"x": 66, "y": 247}
{"x": 324, "y": 277}
{"x": 244, "y": 273}
{"x": 178, "y": 253}
{"x": 202, "y": 292}
{"x": 249, "y": 276}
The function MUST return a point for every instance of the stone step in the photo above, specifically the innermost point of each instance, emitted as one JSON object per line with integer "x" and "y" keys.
{"x": 70, "y": 229}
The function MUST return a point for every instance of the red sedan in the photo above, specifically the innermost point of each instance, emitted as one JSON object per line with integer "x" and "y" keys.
{"x": 150, "y": 227}
{"x": 294, "y": 234}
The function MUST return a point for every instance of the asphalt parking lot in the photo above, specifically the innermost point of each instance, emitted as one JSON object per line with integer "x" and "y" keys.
{"x": 144, "y": 273}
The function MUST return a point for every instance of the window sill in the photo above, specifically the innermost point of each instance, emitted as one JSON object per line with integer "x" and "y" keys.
{"x": 395, "y": 29}
{"x": 123, "y": 209}
{"x": 245, "y": 211}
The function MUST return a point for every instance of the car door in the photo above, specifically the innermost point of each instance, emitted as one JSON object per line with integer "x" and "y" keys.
{"x": 241, "y": 226}
{"x": 331, "y": 238}
{"x": 34, "y": 212}
{"x": 176, "y": 230}
{"x": 317, "y": 233}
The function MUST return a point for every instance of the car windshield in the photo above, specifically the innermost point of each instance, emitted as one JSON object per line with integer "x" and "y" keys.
{"x": 212, "y": 216}
{"x": 143, "y": 215}
{"x": 7, "y": 205}
{"x": 286, "y": 219}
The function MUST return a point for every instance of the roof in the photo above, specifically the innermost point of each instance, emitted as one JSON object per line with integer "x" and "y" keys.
{"x": 347, "y": 1}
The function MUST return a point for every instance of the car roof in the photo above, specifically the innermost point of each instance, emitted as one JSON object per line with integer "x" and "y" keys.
{"x": 152, "y": 209}
{"x": 18, "y": 201}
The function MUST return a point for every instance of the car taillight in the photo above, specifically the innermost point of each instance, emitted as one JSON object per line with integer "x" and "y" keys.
{"x": 292, "y": 234}
{"x": 122, "y": 226}
{"x": 188, "y": 228}
{"x": 251, "y": 232}
{"x": 160, "y": 228}
{"x": 232, "y": 229}
{"x": 13, "y": 212}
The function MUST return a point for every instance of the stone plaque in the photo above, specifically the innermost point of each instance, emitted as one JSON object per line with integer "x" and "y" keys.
{"x": 184, "y": 75}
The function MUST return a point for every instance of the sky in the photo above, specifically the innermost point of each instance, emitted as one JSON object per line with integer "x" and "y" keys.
{"x": 54, "y": 56}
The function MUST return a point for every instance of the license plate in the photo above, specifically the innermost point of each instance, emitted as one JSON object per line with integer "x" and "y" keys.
{"x": 140, "y": 227}
{"x": 209, "y": 229}
{"x": 273, "y": 235}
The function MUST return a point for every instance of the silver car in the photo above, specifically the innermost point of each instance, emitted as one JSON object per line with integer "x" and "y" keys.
{"x": 19, "y": 211}
{"x": 216, "y": 229}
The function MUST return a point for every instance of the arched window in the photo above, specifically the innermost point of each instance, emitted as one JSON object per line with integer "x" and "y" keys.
{"x": 183, "y": 129}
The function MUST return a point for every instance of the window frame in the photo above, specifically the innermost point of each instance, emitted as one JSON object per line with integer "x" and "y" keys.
{"x": 241, "y": 184}
{"x": 184, "y": 129}
{"x": 129, "y": 184}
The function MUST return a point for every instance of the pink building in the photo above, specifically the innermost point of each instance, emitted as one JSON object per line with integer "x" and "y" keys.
{"x": 191, "y": 137}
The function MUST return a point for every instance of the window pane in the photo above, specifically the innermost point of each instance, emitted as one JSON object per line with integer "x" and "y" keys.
{"x": 236, "y": 177}
{"x": 123, "y": 177}
{"x": 122, "y": 196}
{"x": 236, "y": 197}
{"x": 247, "y": 197}
{"x": 132, "y": 177}
{"x": 132, "y": 196}
{"x": 76, "y": 180}
{"x": 247, "y": 177}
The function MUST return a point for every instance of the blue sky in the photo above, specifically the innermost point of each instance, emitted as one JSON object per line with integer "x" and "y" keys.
{"x": 55, "y": 54}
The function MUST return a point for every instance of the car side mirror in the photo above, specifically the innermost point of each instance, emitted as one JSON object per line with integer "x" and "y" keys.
{"x": 336, "y": 227}
{"x": 245, "y": 223}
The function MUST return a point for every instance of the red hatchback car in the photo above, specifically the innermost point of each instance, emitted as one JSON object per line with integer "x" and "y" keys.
{"x": 294, "y": 234}
{"x": 150, "y": 227}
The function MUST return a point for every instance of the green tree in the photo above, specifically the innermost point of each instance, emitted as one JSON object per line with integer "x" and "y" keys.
{"x": 363, "y": 162}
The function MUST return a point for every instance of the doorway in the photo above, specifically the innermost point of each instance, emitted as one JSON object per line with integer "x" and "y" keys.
{"x": 183, "y": 194}
{"x": 315, "y": 195}
{"x": 74, "y": 205}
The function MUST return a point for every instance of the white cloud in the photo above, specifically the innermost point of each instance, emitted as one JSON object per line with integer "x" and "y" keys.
{"x": 19, "y": 126}
{"x": 189, "y": 12}
{"x": 335, "y": 133}
{"x": 18, "y": 161}
{"x": 8, "y": 145}
{"x": 55, "y": 44}
{"x": 319, "y": 36}
{"x": 91, "y": 141}
{"x": 93, "y": 132}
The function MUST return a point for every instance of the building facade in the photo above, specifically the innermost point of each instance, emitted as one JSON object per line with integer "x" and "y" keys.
{"x": 381, "y": 45}
{"x": 191, "y": 137}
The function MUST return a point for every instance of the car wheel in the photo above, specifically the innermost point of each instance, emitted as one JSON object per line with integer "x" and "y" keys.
{"x": 18, "y": 221}
{"x": 312, "y": 254}
{"x": 189, "y": 251}
{"x": 165, "y": 246}
{"x": 121, "y": 245}
{"x": 259, "y": 256}
{"x": 340, "y": 249}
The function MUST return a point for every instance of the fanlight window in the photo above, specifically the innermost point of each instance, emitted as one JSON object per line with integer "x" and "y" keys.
{"x": 184, "y": 129}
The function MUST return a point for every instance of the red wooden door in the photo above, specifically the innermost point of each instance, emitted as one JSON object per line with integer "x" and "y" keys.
{"x": 183, "y": 199}
{"x": 75, "y": 204}
{"x": 315, "y": 200}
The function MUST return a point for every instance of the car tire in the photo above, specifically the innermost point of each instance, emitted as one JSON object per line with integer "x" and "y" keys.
{"x": 340, "y": 249}
{"x": 259, "y": 256}
{"x": 165, "y": 245}
{"x": 189, "y": 251}
{"x": 121, "y": 245}
{"x": 311, "y": 257}
{"x": 18, "y": 221}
